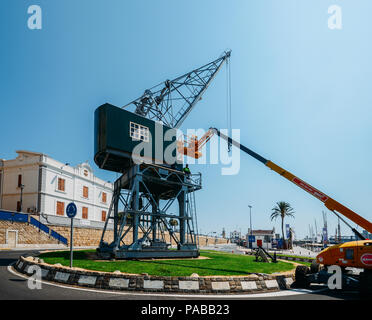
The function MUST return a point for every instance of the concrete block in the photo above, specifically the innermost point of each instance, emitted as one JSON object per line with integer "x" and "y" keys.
{"x": 31, "y": 269}
{"x": 62, "y": 276}
{"x": 44, "y": 273}
{"x": 248, "y": 285}
{"x": 188, "y": 285}
{"x": 153, "y": 284}
{"x": 119, "y": 283}
{"x": 271, "y": 284}
{"x": 91, "y": 280}
{"x": 288, "y": 281}
{"x": 220, "y": 285}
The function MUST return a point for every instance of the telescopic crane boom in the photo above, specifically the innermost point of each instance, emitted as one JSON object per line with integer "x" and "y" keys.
{"x": 195, "y": 146}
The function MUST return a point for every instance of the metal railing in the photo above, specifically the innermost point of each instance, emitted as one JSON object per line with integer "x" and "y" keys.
{"x": 26, "y": 218}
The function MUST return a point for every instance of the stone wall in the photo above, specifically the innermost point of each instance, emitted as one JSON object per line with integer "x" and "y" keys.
{"x": 83, "y": 236}
{"x": 86, "y": 237}
{"x": 27, "y": 234}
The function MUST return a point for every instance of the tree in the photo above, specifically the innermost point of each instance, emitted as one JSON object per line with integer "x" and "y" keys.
{"x": 282, "y": 209}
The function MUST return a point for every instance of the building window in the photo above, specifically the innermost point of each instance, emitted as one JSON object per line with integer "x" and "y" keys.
{"x": 138, "y": 132}
{"x": 104, "y": 197}
{"x": 103, "y": 215}
{"x": 61, "y": 184}
{"x": 267, "y": 239}
{"x": 85, "y": 192}
{"x": 19, "y": 180}
{"x": 85, "y": 213}
{"x": 60, "y": 208}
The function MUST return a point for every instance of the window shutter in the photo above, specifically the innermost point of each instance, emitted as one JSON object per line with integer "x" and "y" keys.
{"x": 60, "y": 208}
{"x": 85, "y": 192}
{"x": 85, "y": 213}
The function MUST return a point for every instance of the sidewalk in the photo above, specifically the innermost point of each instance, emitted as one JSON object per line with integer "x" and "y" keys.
{"x": 298, "y": 251}
{"x": 44, "y": 247}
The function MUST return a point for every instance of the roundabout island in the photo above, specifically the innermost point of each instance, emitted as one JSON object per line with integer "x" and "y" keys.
{"x": 212, "y": 273}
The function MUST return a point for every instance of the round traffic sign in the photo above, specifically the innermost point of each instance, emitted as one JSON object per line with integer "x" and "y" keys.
{"x": 71, "y": 210}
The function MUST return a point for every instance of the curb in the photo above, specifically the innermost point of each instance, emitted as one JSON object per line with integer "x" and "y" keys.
{"x": 255, "y": 283}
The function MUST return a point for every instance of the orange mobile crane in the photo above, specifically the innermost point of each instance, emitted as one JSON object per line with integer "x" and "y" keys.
{"x": 356, "y": 254}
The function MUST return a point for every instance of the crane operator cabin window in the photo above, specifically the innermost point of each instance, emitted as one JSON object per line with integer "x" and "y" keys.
{"x": 138, "y": 132}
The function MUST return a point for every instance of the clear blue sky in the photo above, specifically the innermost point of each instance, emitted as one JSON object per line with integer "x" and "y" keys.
{"x": 301, "y": 92}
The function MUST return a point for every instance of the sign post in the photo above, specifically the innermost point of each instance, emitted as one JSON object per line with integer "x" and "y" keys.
{"x": 251, "y": 239}
{"x": 71, "y": 211}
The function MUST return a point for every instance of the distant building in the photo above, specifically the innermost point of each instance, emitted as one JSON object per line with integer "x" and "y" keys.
{"x": 223, "y": 233}
{"x": 47, "y": 186}
{"x": 262, "y": 238}
{"x": 235, "y": 236}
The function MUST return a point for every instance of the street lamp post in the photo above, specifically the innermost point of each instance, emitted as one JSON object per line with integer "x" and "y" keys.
{"x": 250, "y": 218}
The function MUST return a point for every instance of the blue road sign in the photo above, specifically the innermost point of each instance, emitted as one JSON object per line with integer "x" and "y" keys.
{"x": 71, "y": 210}
{"x": 251, "y": 238}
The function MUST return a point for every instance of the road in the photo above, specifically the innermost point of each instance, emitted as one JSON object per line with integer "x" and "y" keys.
{"x": 14, "y": 287}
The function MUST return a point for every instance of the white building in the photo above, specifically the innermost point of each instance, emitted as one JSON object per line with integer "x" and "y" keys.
{"x": 46, "y": 186}
{"x": 262, "y": 238}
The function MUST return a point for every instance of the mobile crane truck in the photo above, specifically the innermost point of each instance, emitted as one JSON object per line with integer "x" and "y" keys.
{"x": 353, "y": 254}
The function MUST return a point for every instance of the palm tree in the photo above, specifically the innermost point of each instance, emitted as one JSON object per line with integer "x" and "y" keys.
{"x": 282, "y": 209}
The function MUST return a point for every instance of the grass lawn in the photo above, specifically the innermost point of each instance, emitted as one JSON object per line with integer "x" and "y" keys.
{"x": 219, "y": 263}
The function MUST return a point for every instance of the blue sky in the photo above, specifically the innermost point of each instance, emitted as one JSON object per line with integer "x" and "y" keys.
{"x": 301, "y": 92}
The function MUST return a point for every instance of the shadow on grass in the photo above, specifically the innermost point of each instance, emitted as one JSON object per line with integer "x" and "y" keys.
{"x": 65, "y": 255}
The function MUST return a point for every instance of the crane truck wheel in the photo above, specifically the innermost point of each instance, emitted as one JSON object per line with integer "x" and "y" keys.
{"x": 365, "y": 284}
{"x": 301, "y": 273}
{"x": 314, "y": 267}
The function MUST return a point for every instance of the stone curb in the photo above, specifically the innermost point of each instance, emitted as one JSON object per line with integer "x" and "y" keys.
{"x": 255, "y": 283}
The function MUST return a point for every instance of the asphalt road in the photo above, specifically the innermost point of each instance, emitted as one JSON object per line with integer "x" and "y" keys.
{"x": 14, "y": 287}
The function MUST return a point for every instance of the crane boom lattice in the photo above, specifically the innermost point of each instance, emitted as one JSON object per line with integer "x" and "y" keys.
{"x": 172, "y": 100}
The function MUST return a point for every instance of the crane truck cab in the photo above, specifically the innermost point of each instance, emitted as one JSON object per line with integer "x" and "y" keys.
{"x": 357, "y": 254}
